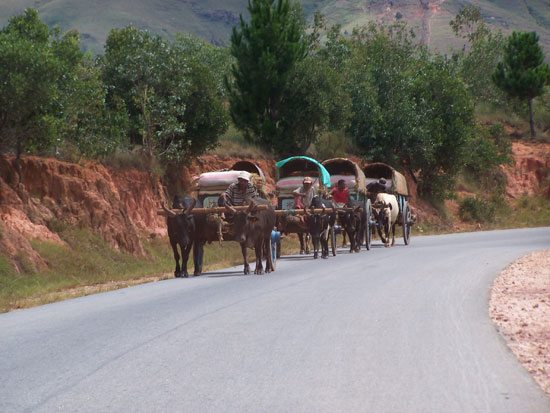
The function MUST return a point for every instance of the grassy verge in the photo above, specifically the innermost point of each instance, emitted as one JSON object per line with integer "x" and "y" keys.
{"x": 524, "y": 212}
{"x": 89, "y": 265}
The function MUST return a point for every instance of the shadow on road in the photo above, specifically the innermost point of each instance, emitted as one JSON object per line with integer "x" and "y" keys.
{"x": 221, "y": 274}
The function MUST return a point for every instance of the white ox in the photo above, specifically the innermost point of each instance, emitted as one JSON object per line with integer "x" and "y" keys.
{"x": 386, "y": 210}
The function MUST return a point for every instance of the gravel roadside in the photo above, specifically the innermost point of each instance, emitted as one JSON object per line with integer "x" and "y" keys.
{"x": 520, "y": 307}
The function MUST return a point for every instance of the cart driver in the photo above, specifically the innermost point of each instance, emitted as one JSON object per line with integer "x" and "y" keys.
{"x": 340, "y": 194}
{"x": 378, "y": 186}
{"x": 304, "y": 194}
{"x": 240, "y": 192}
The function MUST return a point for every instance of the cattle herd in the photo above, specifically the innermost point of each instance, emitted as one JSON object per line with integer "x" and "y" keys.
{"x": 194, "y": 221}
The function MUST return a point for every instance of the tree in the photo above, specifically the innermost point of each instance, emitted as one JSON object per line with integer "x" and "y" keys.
{"x": 523, "y": 73}
{"x": 216, "y": 60}
{"x": 86, "y": 121}
{"x": 267, "y": 51}
{"x": 315, "y": 102}
{"x": 409, "y": 107}
{"x": 480, "y": 55}
{"x": 30, "y": 71}
{"x": 174, "y": 110}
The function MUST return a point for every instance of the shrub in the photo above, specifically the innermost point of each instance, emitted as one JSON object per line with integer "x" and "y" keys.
{"x": 476, "y": 209}
{"x": 332, "y": 145}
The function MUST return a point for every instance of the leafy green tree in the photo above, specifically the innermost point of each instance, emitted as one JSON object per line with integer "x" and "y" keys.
{"x": 217, "y": 60}
{"x": 447, "y": 124}
{"x": 29, "y": 70}
{"x": 95, "y": 129}
{"x": 52, "y": 92}
{"x": 267, "y": 51}
{"x": 409, "y": 107}
{"x": 173, "y": 106}
{"x": 479, "y": 56}
{"x": 523, "y": 73}
{"x": 315, "y": 102}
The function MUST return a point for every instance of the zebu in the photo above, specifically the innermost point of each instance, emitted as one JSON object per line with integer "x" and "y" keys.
{"x": 386, "y": 210}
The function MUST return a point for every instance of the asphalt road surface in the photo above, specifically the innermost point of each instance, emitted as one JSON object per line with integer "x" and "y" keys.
{"x": 403, "y": 329}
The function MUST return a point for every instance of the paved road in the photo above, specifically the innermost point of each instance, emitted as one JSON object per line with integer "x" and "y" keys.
{"x": 401, "y": 330}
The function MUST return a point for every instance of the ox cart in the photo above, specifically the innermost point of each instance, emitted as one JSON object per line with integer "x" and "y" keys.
{"x": 396, "y": 184}
{"x": 290, "y": 176}
{"x": 348, "y": 171}
{"x": 210, "y": 185}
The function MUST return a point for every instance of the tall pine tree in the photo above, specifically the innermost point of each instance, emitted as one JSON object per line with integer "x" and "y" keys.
{"x": 523, "y": 73}
{"x": 266, "y": 49}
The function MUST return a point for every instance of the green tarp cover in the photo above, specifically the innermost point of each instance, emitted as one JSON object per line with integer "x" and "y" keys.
{"x": 323, "y": 173}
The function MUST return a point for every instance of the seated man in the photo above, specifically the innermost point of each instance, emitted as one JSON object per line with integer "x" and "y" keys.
{"x": 340, "y": 194}
{"x": 340, "y": 198}
{"x": 238, "y": 193}
{"x": 377, "y": 186}
{"x": 304, "y": 194}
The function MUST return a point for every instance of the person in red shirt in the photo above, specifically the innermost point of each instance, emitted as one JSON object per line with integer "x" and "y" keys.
{"x": 340, "y": 194}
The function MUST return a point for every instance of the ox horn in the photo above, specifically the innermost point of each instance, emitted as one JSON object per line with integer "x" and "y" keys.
{"x": 168, "y": 212}
{"x": 250, "y": 207}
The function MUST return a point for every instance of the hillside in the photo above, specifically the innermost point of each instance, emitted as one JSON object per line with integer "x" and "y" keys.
{"x": 213, "y": 19}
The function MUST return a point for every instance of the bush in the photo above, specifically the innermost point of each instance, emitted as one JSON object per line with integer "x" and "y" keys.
{"x": 332, "y": 145}
{"x": 475, "y": 209}
{"x": 56, "y": 225}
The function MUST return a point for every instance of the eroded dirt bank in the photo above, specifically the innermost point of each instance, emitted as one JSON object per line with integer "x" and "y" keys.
{"x": 118, "y": 205}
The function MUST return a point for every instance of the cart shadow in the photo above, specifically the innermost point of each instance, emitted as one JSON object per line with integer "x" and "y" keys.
{"x": 296, "y": 257}
{"x": 223, "y": 274}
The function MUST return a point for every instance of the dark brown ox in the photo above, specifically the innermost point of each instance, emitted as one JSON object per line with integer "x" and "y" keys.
{"x": 293, "y": 224}
{"x": 319, "y": 224}
{"x": 181, "y": 232}
{"x": 353, "y": 223}
{"x": 252, "y": 229}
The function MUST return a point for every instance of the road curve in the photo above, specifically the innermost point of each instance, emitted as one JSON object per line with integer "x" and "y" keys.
{"x": 403, "y": 329}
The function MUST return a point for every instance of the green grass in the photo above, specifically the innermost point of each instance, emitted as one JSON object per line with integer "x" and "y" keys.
{"x": 525, "y": 212}
{"x": 87, "y": 260}
{"x": 233, "y": 144}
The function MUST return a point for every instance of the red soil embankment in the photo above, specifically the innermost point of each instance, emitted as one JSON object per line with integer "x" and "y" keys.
{"x": 118, "y": 205}
{"x": 529, "y": 173}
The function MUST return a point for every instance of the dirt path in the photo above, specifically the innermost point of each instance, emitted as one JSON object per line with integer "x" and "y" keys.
{"x": 520, "y": 306}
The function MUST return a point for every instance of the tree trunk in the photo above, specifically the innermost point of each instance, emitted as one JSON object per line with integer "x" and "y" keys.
{"x": 17, "y": 161}
{"x": 531, "y": 118}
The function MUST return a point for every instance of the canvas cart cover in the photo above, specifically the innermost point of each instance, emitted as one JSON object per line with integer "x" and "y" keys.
{"x": 257, "y": 175}
{"x": 300, "y": 166}
{"x": 349, "y": 171}
{"x": 217, "y": 182}
{"x": 396, "y": 182}
{"x": 249, "y": 167}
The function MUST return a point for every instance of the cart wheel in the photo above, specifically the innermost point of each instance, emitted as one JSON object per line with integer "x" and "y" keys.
{"x": 368, "y": 225}
{"x": 332, "y": 236}
{"x": 407, "y": 223}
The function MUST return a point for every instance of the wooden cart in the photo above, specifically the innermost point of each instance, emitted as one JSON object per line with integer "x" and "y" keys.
{"x": 396, "y": 184}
